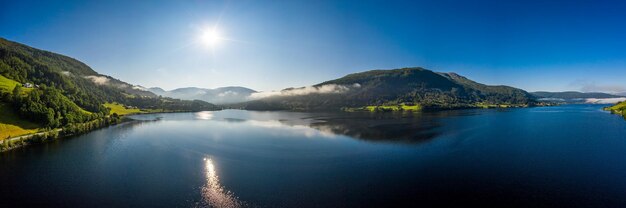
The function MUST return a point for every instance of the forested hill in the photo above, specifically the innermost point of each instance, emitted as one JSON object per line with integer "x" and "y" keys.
{"x": 65, "y": 90}
{"x": 412, "y": 86}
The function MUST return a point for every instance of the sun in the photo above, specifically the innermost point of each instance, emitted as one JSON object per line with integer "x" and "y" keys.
{"x": 211, "y": 37}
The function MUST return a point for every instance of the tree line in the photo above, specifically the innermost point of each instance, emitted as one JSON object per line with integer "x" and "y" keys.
{"x": 50, "y": 134}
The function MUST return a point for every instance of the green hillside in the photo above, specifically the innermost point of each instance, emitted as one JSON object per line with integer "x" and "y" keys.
{"x": 619, "y": 109}
{"x": 66, "y": 91}
{"x": 412, "y": 86}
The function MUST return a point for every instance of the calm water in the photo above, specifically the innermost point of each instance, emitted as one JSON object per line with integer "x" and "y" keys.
{"x": 569, "y": 155}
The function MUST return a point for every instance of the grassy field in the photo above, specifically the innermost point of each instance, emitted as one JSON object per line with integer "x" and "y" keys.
{"x": 121, "y": 110}
{"x": 12, "y": 125}
{"x": 7, "y": 85}
{"x": 374, "y": 108}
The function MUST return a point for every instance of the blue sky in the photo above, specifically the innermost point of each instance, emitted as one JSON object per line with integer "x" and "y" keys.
{"x": 533, "y": 45}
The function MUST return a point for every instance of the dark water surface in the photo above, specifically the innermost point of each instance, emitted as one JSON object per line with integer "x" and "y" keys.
{"x": 571, "y": 155}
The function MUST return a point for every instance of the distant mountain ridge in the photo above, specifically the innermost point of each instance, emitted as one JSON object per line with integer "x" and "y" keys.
{"x": 391, "y": 87}
{"x": 620, "y": 94}
{"x": 222, "y": 95}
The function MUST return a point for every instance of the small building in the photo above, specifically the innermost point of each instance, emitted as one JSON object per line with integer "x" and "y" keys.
{"x": 28, "y": 85}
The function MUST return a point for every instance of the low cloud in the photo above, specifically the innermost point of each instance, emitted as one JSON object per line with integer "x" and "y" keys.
{"x": 604, "y": 100}
{"x": 324, "y": 89}
{"x": 66, "y": 73}
{"x": 102, "y": 80}
{"x": 138, "y": 87}
{"x": 99, "y": 80}
{"x": 227, "y": 93}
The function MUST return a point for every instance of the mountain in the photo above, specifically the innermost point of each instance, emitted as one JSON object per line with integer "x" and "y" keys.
{"x": 156, "y": 90}
{"x": 222, "y": 95}
{"x": 59, "y": 90}
{"x": 409, "y": 86}
{"x": 623, "y": 94}
{"x": 574, "y": 95}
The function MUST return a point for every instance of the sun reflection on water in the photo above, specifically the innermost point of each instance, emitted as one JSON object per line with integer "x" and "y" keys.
{"x": 213, "y": 194}
{"x": 204, "y": 115}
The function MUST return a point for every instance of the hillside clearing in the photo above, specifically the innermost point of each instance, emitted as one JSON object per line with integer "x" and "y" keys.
{"x": 12, "y": 125}
{"x": 7, "y": 85}
{"x": 121, "y": 110}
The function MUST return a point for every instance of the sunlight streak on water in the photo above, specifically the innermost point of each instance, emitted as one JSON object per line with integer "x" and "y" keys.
{"x": 213, "y": 194}
{"x": 204, "y": 115}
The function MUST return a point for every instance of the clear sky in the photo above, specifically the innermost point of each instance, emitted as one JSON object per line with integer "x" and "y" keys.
{"x": 269, "y": 45}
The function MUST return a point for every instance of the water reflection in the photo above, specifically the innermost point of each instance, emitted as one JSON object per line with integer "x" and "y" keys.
{"x": 380, "y": 127}
{"x": 402, "y": 128}
{"x": 204, "y": 115}
{"x": 213, "y": 193}
{"x": 295, "y": 129}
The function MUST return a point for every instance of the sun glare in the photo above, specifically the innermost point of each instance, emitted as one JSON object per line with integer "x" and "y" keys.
{"x": 211, "y": 37}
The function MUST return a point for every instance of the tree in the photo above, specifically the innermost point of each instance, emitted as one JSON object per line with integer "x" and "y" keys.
{"x": 17, "y": 91}
{"x": 51, "y": 121}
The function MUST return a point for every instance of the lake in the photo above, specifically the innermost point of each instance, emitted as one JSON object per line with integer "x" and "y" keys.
{"x": 572, "y": 155}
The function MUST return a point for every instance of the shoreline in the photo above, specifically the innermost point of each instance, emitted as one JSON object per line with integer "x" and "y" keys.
{"x": 55, "y": 134}
{"x": 60, "y": 133}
